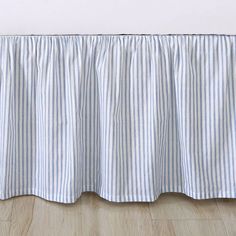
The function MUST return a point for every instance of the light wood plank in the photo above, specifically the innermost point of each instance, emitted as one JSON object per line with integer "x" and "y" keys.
{"x": 199, "y": 227}
{"x": 163, "y": 228}
{"x": 191, "y": 227}
{"x": 50, "y": 218}
{"x": 227, "y": 208}
{"x": 101, "y": 217}
{"x": 230, "y": 227}
{"x": 90, "y": 215}
{"x": 5, "y": 228}
{"x": 6, "y": 209}
{"x": 179, "y": 206}
{"x": 22, "y": 213}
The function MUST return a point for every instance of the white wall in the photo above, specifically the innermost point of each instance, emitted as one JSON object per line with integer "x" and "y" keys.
{"x": 117, "y": 16}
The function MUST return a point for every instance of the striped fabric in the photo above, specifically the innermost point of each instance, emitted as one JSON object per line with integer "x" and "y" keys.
{"x": 126, "y": 116}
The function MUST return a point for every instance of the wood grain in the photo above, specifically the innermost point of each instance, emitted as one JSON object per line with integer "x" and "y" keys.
{"x": 5, "y": 228}
{"x": 22, "y": 215}
{"x": 179, "y": 206}
{"x": 6, "y": 209}
{"x": 171, "y": 215}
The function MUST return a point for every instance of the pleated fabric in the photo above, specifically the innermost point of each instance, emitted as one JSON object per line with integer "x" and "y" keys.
{"x": 126, "y": 116}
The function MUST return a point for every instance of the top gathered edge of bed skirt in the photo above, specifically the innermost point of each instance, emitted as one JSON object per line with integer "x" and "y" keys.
{"x": 126, "y": 116}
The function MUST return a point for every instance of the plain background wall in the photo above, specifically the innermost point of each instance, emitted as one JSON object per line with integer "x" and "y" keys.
{"x": 117, "y": 16}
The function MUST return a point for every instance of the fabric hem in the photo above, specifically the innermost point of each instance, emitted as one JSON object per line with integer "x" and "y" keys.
{"x": 114, "y": 198}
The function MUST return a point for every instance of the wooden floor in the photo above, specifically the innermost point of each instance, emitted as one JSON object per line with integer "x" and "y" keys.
{"x": 171, "y": 214}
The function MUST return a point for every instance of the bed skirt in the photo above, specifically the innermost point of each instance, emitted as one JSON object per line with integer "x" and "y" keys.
{"x": 126, "y": 116}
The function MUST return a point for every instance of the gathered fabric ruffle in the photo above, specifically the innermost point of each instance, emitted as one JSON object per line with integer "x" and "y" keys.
{"x": 126, "y": 116}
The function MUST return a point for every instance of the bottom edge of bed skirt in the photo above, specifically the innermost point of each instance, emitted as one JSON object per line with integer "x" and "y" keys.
{"x": 116, "y": 199}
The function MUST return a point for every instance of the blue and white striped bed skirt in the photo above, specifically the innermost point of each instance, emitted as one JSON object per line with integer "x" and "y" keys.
{"x": 126, "y": 116}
